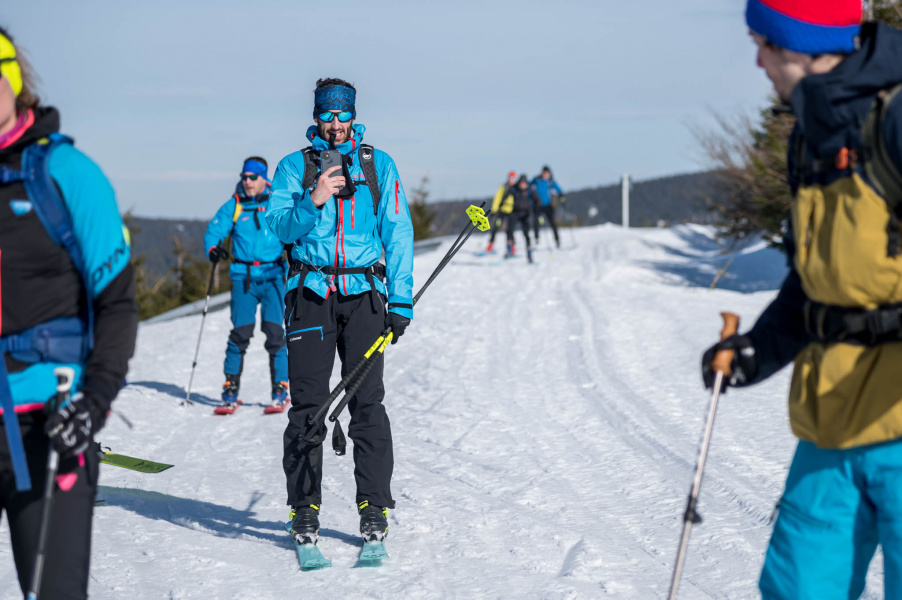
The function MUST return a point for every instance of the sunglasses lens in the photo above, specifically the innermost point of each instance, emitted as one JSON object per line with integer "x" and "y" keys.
{"x": 251, "y": 177}
{"x": 345, "y": 116}
{"x": 326, "y": 117}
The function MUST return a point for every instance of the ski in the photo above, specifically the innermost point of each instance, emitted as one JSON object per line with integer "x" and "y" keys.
{"x": 135, "y": 464}
{"x": 309, "y": 555}
{"x": 373, "y": 552}
{"x": 275, "y": 408}
{"x": 226, "y": 410}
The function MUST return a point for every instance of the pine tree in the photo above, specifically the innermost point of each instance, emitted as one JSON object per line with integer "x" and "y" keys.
{"x": 421, "y": 214}
{"x": 749, "y": 158}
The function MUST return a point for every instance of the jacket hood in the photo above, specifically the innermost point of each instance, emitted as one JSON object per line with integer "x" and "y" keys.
{"x": 348, "y": 147}
{"x": 46, "y": 121}
{"x": 831, "y": 107}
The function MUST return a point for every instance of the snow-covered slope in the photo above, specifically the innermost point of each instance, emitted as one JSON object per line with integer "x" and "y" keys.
{"x": 546, "y": 421}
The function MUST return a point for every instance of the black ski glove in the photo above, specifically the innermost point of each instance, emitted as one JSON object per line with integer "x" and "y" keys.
{"x": 217, "y": 254}
{"x": 397, "y": 323}
{"x": 744, "y": 365}
{"x": 71, "y": 429}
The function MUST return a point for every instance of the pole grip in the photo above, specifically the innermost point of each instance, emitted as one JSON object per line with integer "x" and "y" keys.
{"x": 724, "y": 359}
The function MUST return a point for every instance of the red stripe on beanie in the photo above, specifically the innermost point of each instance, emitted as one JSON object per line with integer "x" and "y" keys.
{"x": 819, "y": 12}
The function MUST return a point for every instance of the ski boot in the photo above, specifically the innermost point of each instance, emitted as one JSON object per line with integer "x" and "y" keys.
{"x": 489, "y": 247}
{"x": 373, "y": 521}
{"x": 305, "y": 523}
{"x": 279, "y": 398}
{"x": 280, "y": 393}
{"x": 229, "y": 396}
{"x": 511, "y": 250}
{"x": 529, "y": 254}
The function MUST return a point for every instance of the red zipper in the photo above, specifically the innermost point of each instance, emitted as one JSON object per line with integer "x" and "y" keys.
{"x": 344, "y": 257}
{"x": 397, "y": 188}
{"x": 352, "y": 212}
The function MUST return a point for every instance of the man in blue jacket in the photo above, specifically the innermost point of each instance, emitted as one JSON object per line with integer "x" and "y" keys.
{"x": 258, "y": 277}
{"x": 337, "y": 299}
{"x": 545, "y": 186}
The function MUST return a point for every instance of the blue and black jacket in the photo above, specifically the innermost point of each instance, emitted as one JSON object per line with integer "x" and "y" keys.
{"x": 345, "y": 233}
{"x": 39, "y": 282}
{"x": 543, "y": 188}
{"x": 256, "y": 251}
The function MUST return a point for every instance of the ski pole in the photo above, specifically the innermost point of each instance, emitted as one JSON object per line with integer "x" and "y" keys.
{"x": 478, "y": 220}
{"x": 200, "y": 334}
{"x": 373, "y": 356}
{"x": 64, "y": 376}
{"x": 721, "y": 363}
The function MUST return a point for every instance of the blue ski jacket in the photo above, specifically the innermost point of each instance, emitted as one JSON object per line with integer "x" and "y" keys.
{"x": 543, "y": 189}
{"x": 345, "y": 233}
{"x": 255, "y": 249}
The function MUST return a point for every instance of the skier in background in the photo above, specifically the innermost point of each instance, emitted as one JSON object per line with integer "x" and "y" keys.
{"x": 837, "y": 313}
{"x": 502, "y": 205}
{"x": 546, "y": 188}
{"x": 62, "y": 305}
{"x": 339, "y": 299}
{"x": 258, "y": 277}
{"x": 525, "y": 203}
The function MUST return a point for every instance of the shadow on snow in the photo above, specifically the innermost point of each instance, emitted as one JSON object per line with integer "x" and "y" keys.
{"x": 207, "y": 517}
{"x": 176, "y": 391}
{"x": 760, "y": 269}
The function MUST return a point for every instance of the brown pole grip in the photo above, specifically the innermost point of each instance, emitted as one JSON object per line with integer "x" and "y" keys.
{"x": 724, "y": 358}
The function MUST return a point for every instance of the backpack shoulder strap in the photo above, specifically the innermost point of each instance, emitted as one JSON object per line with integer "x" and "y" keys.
{"x": 51, "y": 209}
{"x": 238, "y": 209}
{"x": 310, "y": 167}
{"x": 45, "y": 197}
{"x": 878, "y": 165}
{"x": 365, "y": 155}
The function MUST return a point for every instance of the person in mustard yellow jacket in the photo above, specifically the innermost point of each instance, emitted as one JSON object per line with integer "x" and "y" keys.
{"x": 502, "y": 205}
{"x": 838, "y": 314}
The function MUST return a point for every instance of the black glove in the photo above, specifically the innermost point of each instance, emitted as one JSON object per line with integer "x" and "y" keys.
{"x": 71, "y": 429}
{"x": 744, "y": 364}
{"x": 217, "y": 254}
{"x": 397, "y": 323}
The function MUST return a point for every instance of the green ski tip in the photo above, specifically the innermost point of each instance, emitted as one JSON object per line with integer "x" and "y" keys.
{"x": 135, "y": 464}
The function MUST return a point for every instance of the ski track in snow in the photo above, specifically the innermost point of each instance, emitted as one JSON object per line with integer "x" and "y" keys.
{"x": 546, "y": 421}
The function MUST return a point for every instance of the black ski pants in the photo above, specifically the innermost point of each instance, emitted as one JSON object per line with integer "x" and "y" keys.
{"x": 65, "y": 574}
{"x": 497, "y": 221}
{"x": 521, "y": 217}
{"x": 548, "y": 211}
{"x": 317, "y": 327}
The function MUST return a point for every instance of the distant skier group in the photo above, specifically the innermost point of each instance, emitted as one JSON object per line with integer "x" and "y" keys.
{"x": 307, "y": 247}
{"x": 526, "y": 203}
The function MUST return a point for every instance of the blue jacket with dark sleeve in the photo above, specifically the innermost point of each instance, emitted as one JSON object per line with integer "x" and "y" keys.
{"x": 255, "y": 249}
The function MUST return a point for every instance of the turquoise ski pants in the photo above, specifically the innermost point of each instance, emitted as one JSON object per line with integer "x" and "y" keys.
{"x": 837, "y": 507}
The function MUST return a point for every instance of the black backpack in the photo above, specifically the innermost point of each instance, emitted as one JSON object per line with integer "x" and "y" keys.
{"x": 364, "y": 154}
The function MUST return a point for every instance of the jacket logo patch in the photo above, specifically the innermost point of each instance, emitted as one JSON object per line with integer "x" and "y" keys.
{"x": 245, "y": 218}
{"x": 295, "y": 338}
{"x": 20, "y": 207}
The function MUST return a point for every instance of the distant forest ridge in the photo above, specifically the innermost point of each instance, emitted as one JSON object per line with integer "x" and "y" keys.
{"x": 653, "y": 202}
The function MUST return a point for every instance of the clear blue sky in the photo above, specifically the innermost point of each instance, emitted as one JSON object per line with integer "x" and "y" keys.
{"x": 169, "y": 97}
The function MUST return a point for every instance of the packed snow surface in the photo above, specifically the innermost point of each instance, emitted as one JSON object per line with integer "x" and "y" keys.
{"x": 546, "y": 421}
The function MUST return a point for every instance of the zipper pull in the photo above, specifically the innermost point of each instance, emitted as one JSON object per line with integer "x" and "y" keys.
{"x": 332, "y": 284}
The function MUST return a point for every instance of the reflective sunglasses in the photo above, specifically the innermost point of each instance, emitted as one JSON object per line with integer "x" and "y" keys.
{"x": 251, "y": 177}
{"x": 343, "y": 116}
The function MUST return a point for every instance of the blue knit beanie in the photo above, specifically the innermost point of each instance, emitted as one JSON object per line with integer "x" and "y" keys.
{"x": 807, "y": 26}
